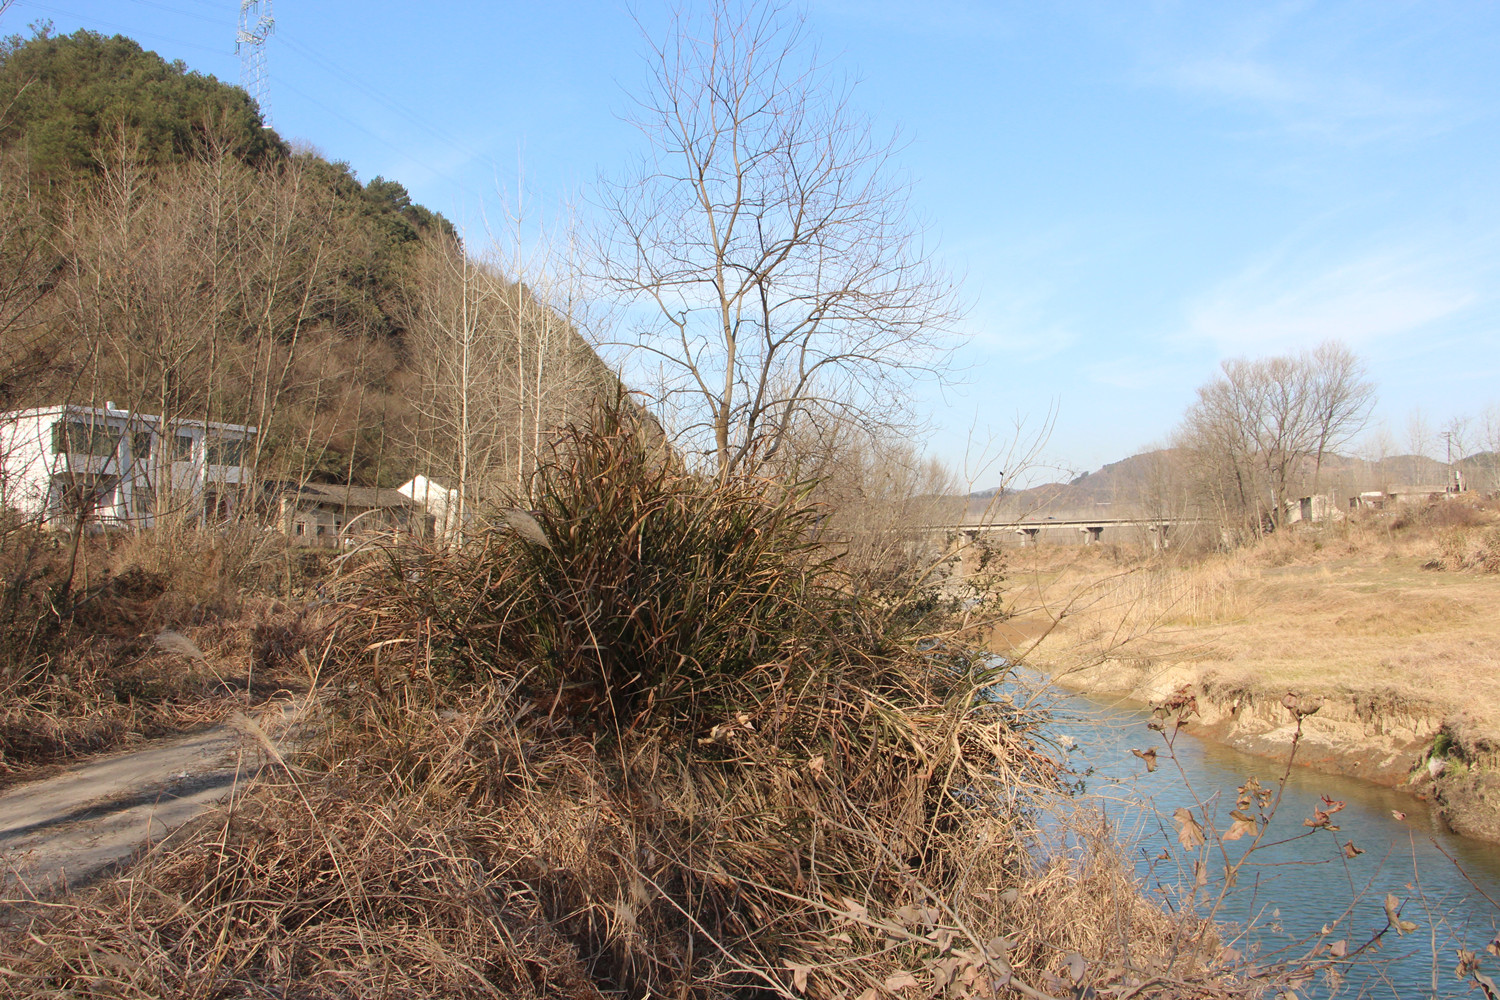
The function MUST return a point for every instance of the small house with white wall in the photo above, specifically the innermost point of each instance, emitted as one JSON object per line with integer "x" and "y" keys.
{"x": 116, "y": 466}
{"x": 446, "y": 516}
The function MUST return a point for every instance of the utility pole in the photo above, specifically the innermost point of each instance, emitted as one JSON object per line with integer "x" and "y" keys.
{"x": 257, "y": 23}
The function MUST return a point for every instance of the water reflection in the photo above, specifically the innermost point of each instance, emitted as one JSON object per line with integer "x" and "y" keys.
{"x": 1299, "y": 879}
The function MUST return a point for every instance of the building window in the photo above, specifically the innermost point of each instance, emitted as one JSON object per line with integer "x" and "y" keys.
{"x": 182, "y": 447}
{"x": 78, "y": 438}
{"x": 82, "y": 495}
{"x": 300, "y": 528}
{"x": 226, "y": 451}
{"x": 140, "y": 446}
{"x": 320, "y": 531}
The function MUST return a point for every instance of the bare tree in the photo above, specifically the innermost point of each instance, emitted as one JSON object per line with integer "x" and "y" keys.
{"x": 1489, "y": 445}
{"x": 1342, "y": 400}
{"x": 501, "y": 365}
{"x": 770, "y": 255}
{"x": 1255, "y": 429}
{"x": 1419, "y": 440}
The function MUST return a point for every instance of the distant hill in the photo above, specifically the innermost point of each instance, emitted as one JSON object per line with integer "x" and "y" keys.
{"x": 1123, "y": 487}
{"x": 161, "y": 248}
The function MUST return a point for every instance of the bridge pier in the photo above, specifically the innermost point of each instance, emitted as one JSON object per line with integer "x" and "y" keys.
{"x": 1092, "y": 533}
{"x": 1158, "y": 536}
{"x": 964, "y": 548}
{"x": 1028, "y": 535}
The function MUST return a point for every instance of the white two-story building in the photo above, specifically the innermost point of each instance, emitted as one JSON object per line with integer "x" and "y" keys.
{"x": 119, "y": 467}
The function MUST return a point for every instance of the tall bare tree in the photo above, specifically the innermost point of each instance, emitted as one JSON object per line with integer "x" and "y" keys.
{"x": 1343, "y": 397}
{"x": 766, "y": 243}
{"x": 501, "y": 366}
{"x": 1255, "y": 430}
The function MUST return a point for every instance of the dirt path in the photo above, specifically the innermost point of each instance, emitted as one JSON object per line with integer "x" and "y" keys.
{"x": 70, "y": 828}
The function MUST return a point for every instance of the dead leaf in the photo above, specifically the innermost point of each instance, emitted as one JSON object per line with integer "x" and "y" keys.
{"x": 1350, "y": 851}
{"x": 799, "y": 974}
{"x": 1468, "y": 962}
{"x": 1076, "y": 965}
{"x": 900, "y": 981}
{"x": 1200, "y": 873}
{"x": 1393, "y": 915}
{"x": 1398, "y": 815}
{"x": 1339, "y": 949}
{"x": 944, "y": 971}
{"x": 1491, "y": 991}
{"x": 1189, "y": 831}
{"x": 1321, "y": 819}
{"x": 816, "y": 764}
{"x": 1243, "y": 824}
{"x": 1494, "y": 946}
{"x": 1333, "y": 805}
{"x": 1149, "y": 756}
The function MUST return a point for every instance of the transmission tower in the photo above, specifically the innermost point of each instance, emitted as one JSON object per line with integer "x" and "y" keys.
{"x": 257, "y": 23}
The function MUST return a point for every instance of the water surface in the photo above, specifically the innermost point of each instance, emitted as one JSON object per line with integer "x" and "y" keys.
{"x": 1299, "y": 879}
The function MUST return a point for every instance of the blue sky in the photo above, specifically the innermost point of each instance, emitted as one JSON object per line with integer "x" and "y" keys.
{"x": 1131, "y": 192}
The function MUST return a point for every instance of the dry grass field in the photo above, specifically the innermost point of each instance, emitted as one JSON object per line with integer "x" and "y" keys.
{"x": 1402, "y": 609}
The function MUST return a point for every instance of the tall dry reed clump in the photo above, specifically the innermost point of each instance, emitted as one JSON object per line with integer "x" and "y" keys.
{"x": 639, "y": 742}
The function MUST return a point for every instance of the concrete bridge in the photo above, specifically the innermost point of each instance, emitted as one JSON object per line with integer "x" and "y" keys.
{"x": 1073, "y": 530}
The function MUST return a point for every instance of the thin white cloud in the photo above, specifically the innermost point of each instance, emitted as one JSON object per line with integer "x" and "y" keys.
{"x": 1292, "y": 300}
{"x": 1021, "y": 328}
{"x": 1138, "y": 373}
{"x": 1026, "y": 301}
{"x": 1339, "y": 106}
{"x": 967, "y": 19}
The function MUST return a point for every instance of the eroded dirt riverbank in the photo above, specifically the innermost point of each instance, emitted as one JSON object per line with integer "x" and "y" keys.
{"x": 1403, "y": 653}
{"x": 1422, "y": 750}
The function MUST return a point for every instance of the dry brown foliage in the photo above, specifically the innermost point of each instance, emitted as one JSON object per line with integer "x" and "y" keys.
{"x": 81, "y": 669}
{"x": 803, "y": 810}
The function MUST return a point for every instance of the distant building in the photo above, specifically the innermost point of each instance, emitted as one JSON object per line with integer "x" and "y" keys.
{"x": 1313, "y": 510}
{"x": 441, "y": 504}
{"x": 116, "y": 466}
{"x": 330, "y": 514}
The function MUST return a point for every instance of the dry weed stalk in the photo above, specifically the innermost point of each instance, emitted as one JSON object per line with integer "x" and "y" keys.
{"x": 665, "y": 754}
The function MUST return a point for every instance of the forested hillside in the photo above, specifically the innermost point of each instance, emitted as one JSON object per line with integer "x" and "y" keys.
{"x": 161, "y": 249}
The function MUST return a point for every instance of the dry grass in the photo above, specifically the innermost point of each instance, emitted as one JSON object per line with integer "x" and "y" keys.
{"x": 80, "y": 668}
{"x": 646, "y": 745}
{"x": 1371, "y": 608}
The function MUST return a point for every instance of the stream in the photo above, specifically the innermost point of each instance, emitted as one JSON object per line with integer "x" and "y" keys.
{"x": 1299, "y": 879}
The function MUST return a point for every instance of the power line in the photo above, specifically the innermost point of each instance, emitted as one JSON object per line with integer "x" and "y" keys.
{"x": 373, "y": 135}
{"x": 394, "y": 105}
{"x": 116, "y": 26}
{"x": 177, "y": 10}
